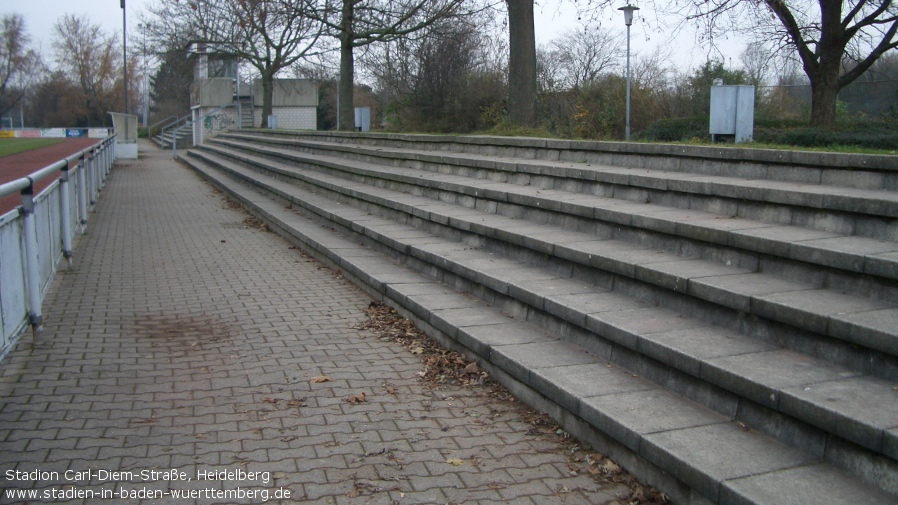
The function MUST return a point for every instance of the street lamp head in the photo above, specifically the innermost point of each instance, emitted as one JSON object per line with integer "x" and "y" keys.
{"x": 628, "y": 13}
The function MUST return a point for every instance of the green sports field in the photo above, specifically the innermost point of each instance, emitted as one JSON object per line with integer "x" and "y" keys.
{"x": 13, "y": 146}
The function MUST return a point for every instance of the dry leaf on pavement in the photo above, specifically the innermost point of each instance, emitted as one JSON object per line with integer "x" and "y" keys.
{"x": 359, "y": 398}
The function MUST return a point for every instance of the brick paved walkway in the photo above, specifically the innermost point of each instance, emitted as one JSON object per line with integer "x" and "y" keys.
{"x": 185, "y": 340}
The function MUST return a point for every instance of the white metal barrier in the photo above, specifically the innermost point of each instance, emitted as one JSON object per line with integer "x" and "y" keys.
{"x": 37, "y": 236}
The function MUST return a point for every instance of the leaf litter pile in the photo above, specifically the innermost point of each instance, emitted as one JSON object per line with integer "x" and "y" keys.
{"x": 443, "y": 367}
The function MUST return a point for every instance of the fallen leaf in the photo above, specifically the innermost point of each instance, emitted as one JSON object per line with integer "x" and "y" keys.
{"x": 455, "y": 461}
{"x": 320, "y": 379}
{"x": 391, "y": 390}
{"x": 270, "y": 400}
{"x": 297, "y": 403}
{"x": 472, "y": 368}
{"x": 610, "y": 467}
{"x": 359, "y": 398}
{"x": 417, "y": 350}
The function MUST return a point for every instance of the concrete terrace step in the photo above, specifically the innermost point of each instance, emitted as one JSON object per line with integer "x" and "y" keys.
{"x": 876, "y": 257}
{"x": 847, "y": 170}
{"x": 668, "y": 347}
{"x": 787, "y": 196}
{"x": 695, "y": 454}
{"x": 872, "y": 322}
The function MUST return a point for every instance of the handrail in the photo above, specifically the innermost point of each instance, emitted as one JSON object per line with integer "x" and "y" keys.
{"x": 176, "y": 123}
{"x": 157, "y": 123}
{"x": 174, "y": 144}
{"x": 96, "y": 160}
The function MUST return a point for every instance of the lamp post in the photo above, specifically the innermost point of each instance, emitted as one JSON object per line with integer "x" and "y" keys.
{"x": 628, "y": 18}
{"x": 125, "y": 54}
{"x": 146, "y": 76}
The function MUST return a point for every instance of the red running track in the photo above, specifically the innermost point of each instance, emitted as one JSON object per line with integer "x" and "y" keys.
{"x": 21, "y": 164}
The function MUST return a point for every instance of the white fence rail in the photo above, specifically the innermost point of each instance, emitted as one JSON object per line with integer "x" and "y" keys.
{"x": 36, "y": 236}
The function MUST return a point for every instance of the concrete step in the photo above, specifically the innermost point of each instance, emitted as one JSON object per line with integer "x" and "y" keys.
{"x": 871, "y": 322}
{"x": 694, "y": 453}
{"x": 184, "y": 139}
{"x": 850, "y": 203}
{"x": 874, "y": 257}
{"x": 770, "y": 388}
{"x": 835, "y": 169}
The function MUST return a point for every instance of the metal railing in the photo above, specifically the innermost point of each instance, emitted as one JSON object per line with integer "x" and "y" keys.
{"x": 157, "y": 123}
{"x": 35, "y": 237}
{"x": 177, "y": 124}
{"x": 192, "y": 123}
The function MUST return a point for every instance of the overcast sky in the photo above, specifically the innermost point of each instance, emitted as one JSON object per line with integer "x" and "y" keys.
{"x": 552, "y": 17}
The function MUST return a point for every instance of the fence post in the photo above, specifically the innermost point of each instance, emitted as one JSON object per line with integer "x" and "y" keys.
{"x": 91, "y": 182}
{"x": 65, "y": 212}
{"x": 32, "y": 262}
{"x": 104, "y": 171}
{"x": 82, "y": 191}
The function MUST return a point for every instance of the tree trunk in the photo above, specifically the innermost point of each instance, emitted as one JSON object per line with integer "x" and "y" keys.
{"x": 824, "y": 77}
{"x": 345, "y": 91}
{"x": 267, "y": 97}
{"x": 824, "y": 74}
{"x": 521, "y": 63}
{"x": 824, "y": 94}
{"x": 346, "y": 116}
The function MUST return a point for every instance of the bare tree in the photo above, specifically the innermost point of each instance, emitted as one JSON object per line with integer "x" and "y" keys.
{"x": 582, "y": 55}
{"x": 19, "y": 65}
{"x": 548, "y": 71}
{"x": 836, "y": 41}
{"x": 56, "y": 100}
{"x": 90, "y": 58}
{"x": 445, "y": 80}
{"x": 756, "y": 60}
{"x": 359, "y": 23}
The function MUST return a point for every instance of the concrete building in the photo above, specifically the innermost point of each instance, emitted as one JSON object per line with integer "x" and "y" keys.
{"x": 220, "y": 100}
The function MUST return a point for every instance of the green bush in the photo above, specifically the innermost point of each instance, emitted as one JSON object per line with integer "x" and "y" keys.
{"x": 868, "y": 135}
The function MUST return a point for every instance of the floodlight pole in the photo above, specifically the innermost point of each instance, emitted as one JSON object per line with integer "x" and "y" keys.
{"x": 146, "y": 75}
{"x": 125, "y": 54}
{"x": 628, "y": 19}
